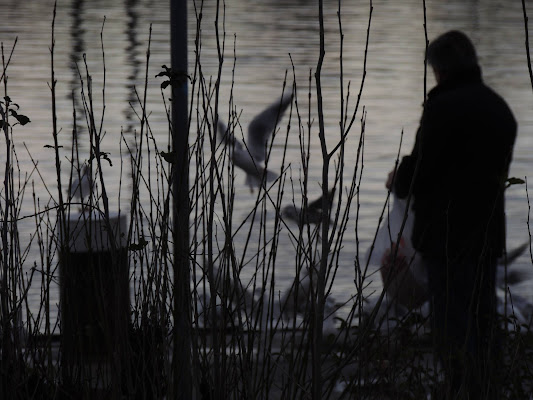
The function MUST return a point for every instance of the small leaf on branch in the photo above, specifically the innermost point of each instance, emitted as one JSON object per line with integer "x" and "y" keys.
{"x": 178, "y": 78}
{"x": 102, "y": 155}
{"x": 138, "y": 246}
{"x": 105, "y": 156}
{"x": 170, "y": 157}
{"x": 167, "y": 71}
{"x": 22, "y": 119}
{"x": 514, "y": 181}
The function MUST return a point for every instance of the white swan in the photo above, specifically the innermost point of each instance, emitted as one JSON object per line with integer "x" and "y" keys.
{"x": 250, "y": 155}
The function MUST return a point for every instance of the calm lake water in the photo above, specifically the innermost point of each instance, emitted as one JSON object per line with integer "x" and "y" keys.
{"x": 265, "y": 40}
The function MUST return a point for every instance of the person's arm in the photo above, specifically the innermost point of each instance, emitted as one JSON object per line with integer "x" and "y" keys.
{"x": 429, "y": 157}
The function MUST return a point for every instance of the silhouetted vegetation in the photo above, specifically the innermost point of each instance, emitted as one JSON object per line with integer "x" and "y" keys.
{"x": 249, "y": 341}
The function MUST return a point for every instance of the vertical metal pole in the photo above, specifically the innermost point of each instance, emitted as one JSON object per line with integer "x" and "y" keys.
{"x": 181, "y": 358}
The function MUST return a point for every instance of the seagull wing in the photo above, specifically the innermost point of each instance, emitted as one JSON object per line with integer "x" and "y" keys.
{"x": 80, "y": 186}
{"x": 74, "y": 190}
{"x": 222, "y": 130}
{"x": 291, "y": 212}
{"x": 227, "y": 136}
{"x": 513, "y": 254}
{"x": 317, "y": 204}
{"x": 263, "y": 125}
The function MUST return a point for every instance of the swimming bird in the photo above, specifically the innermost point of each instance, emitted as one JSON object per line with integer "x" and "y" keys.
{"x": 250, "y": 155}
{"x": 310, "y": 215}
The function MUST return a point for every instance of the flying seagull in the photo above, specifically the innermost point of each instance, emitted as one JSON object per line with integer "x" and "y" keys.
{"x": 312, "y": 214}
{"x": 250, "y": 156}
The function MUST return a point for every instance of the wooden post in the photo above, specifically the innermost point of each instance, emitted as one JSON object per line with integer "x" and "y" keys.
{"x": 94, "y": 300}
{"x": 181, "y": 359}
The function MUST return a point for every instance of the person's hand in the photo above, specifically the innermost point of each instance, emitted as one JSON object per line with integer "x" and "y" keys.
{"x": 390, "y": 178}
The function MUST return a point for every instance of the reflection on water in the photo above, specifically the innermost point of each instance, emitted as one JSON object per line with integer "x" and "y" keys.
{"x": 133, "y": 52}
{"x": 264, "y": 40}
{"x": 76, "y": 62}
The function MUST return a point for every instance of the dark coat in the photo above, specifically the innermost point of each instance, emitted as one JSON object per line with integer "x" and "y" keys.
{"x": 458, "y": 168}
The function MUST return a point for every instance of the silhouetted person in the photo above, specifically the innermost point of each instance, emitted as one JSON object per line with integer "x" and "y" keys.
{"x": 456, "y": 173}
